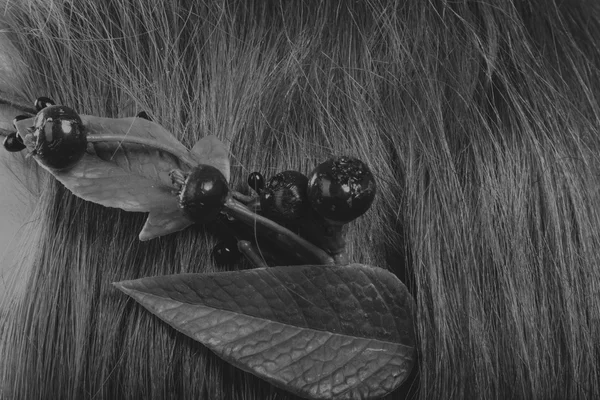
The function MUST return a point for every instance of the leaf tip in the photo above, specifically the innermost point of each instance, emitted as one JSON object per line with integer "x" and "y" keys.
{"x": 144, "y": 236}
{"x": 124, "y": 286}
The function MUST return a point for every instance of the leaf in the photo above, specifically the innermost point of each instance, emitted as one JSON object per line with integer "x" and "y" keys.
{"x": 160, "y": 223}
{"x": 22, "y": 126}
{"x": 335, "y": 332}
{"x": 128, "y": 176}
{"x": 211, "y": 151}
{"x": 131, "y": 126}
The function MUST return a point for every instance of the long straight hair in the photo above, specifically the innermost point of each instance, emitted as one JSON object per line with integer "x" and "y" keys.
{"x": 479, "y": 120}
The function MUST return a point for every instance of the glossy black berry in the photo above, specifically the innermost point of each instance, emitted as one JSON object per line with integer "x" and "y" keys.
{"x": 256, "y": 181}
{"x": 43, "y": 102}
{"x": 144, "y": 115}
{"x": 59, "y": 137}
{"x": 226, "y": 253}
{"x": 284, "y": 196}
{"x": 13, "y": 143}
{"x": 203, "y": 193}
{"x": 341, "y": 189}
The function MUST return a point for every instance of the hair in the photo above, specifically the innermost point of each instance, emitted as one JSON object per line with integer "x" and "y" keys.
{"x": 478, "y": 119}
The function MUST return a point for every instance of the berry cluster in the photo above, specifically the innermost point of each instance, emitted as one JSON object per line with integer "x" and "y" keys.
{"x": 291, "y": 209}
{"x": 319, "y": 206}
{"x": 340, "y": 190}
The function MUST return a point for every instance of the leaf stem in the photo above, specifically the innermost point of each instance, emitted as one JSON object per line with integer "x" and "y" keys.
{"x": 283, "y": 236}
{"x": 182, "y": 156}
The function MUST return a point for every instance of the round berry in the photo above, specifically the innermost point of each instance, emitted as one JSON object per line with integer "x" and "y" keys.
{"x": 256, "y": 181}
{"x": 43, "y": 102}
{"x": 341, "y": 189}
{"x": 226, "y": 253}
{"x": 59, "y": 137}
{"x": 144, "y": 115}
{"x": 203, "y": 193}
{"x": 13, "y": 143}
{"x": 284, "y": 196}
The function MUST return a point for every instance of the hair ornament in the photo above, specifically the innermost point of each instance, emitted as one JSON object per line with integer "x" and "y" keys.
{"x": 305, "y": 319}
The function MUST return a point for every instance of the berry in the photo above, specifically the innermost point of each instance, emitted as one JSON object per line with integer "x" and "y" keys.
{"x": 203, "y": 193}
{"x": 13, "y": 143}
{"x": 341, "y": 189}
{"x": 59, "y": 137}
{"x": 284, "y": 196}
{"x": 256, "y": 181}
{"x": 144, "y": 115}
{"x": 226, "y": 253}
{"x": 43, "y": 102}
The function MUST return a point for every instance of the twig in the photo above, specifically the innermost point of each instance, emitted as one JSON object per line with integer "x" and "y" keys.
{"x": 282, "y": 236}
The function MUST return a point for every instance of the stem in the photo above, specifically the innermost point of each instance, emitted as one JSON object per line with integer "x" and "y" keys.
{"x": 328, "y": 235}
{"x": 242, "y": 197}
{"x": 283, "y": 236}
{"x": 341, "y": 258}
{"x": 184, "y": 157}
{"x": 248, "y": 249}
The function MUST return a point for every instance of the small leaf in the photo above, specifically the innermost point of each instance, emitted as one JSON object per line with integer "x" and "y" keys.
{"x": 160, "y": 223}
{"x": 211, "y": 151}
{"x": 335, "y": 332}
{"x": 23, "y": 126}
{"x": 128, "y": 176}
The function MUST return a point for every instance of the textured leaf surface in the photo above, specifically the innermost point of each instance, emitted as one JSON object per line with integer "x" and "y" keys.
{"x": 127, "y": 176}
{"x": 342, "y": 332}
{"x": 211, "y": 151}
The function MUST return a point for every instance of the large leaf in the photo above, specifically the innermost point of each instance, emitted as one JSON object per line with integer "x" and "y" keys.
{"x": 335, "y": 332}
{"x": 128, "y": 176}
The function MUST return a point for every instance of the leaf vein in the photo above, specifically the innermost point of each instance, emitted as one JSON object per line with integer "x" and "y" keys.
{"x": 377, "y": 288}
{"x": 287, "y": 289}
{"x": 359, "y": 382}
{"x": 287, "y": 339}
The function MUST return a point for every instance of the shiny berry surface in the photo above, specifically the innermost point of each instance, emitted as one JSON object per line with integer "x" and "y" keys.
{"x": 341, "y": 189}
{"x": 59, "y": 137}
{"x": 256, "y": 181}
{"x": 43, "y": 102}
{"x": 284, "y": 196}
{"x": 203, "y": 193}
{"x": 13, "y": 143}
{"x": 226, "y": 253}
